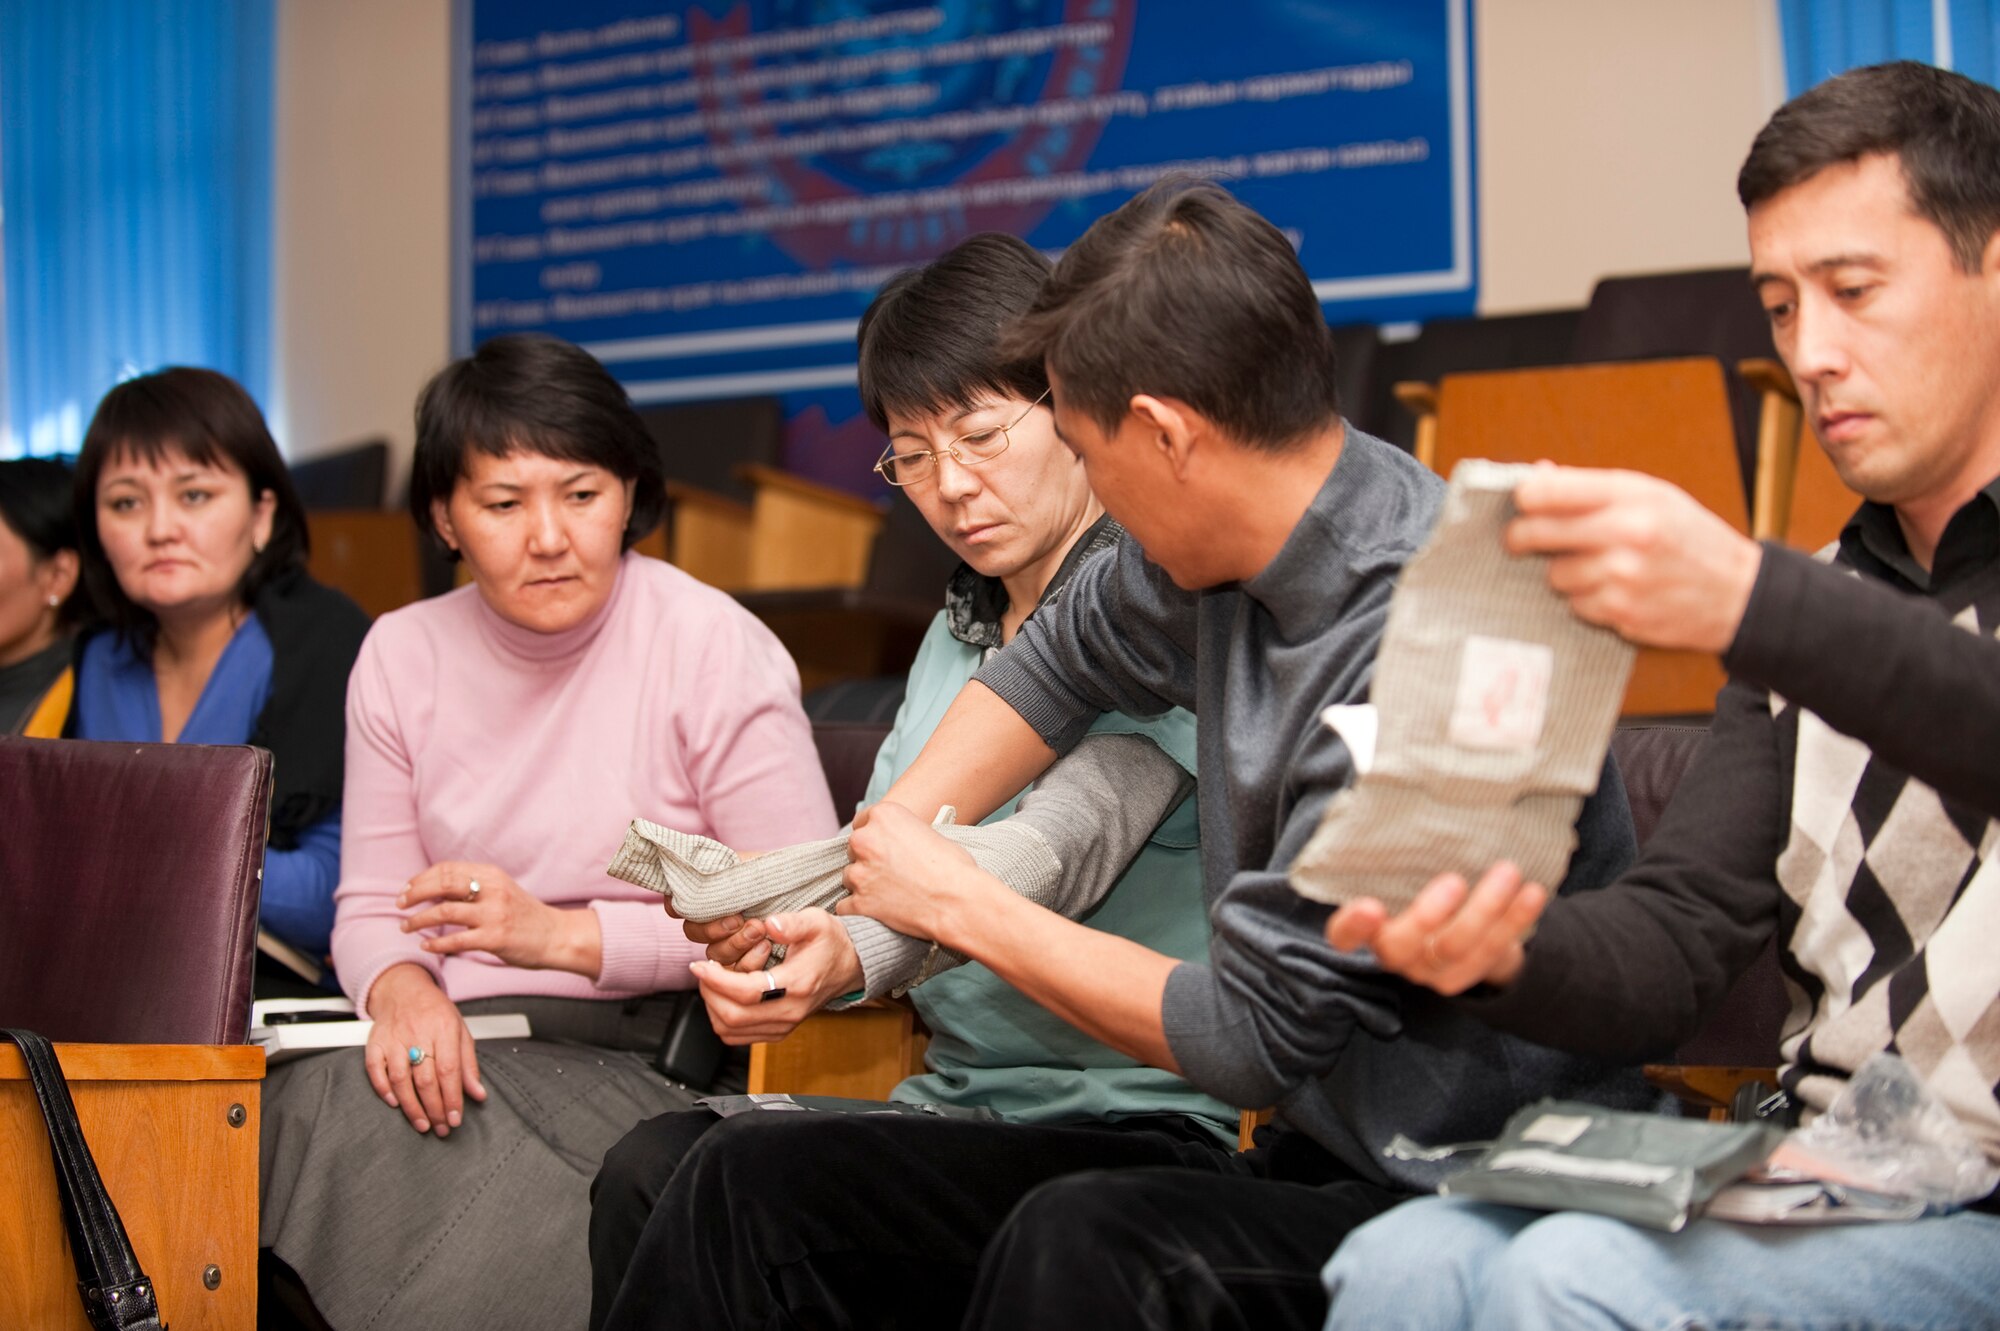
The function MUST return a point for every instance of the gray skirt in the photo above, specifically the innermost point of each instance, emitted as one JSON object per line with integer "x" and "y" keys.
{"x": 487, "y": 1227}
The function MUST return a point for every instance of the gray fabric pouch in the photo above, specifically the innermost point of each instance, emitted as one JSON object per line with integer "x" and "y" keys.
{"x": 1648, "y": 1169}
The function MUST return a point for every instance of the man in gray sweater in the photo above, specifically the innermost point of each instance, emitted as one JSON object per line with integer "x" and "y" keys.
{"x": 1191, "y": 371}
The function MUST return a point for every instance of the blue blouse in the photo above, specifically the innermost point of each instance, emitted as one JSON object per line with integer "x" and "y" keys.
{"x": 117, "y": 698}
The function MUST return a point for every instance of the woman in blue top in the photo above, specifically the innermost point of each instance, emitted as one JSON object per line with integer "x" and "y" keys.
{"x": 194, "y": 548}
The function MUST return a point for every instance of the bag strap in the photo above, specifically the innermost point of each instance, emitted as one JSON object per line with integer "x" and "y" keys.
{"x": 117, "y": 1295}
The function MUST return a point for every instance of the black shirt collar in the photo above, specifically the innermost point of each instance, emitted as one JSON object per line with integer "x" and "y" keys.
{"x": 1873, "y": 541}
{"x": 974, "y": 603}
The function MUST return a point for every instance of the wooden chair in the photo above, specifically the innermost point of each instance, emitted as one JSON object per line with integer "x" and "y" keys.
{"x": 370, "y": 554}
{"x": 793, "y": 533}
{"x": 1798, "y": 498}
{"x": 837, "y": 633}
{"x": 1669, "y": 418}
{"x": 128, "y": 912}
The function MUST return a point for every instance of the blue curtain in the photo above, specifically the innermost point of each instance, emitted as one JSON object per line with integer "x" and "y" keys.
{"x": 135, "y": 171}
{"x": 1824, "y": 37}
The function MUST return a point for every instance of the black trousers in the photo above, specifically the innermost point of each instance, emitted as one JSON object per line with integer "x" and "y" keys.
{"x": 881, "y": 1221}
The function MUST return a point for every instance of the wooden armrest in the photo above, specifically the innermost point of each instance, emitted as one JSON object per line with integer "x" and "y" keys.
{"x": 1247, "y": 1124}
{"x": 1768, "y": 376}
{"x": 761, "y": 477}
{"x": 1704, "y": 1086}
{"x": 1421, "y": 399}
{"x": 1778, "y": 428}
{"x": 1418, "y": 397}
{"x": 861, "y": 1052}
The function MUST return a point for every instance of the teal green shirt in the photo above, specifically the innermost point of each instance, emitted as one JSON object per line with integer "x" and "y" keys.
{"x": 992, "y": 1046}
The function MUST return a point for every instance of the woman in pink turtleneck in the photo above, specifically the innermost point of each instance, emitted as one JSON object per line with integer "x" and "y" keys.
{"x": 500, "y": 739}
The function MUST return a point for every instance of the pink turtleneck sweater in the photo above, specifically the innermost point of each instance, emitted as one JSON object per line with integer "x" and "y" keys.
{"x": 471, "y": 738}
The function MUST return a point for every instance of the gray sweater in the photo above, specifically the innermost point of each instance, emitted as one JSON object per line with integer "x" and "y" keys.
{"x": 1350, "y": 1056}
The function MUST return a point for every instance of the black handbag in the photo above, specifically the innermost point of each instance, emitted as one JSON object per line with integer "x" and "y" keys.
{"x": 117, "y": 1295}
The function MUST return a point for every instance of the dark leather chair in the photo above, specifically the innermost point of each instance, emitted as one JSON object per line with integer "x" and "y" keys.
{"x": 847, "y": 754}
{"x": 704, "y": 444}
{"x": 1740, "y": 1041}
{"x": 129, "y": 881}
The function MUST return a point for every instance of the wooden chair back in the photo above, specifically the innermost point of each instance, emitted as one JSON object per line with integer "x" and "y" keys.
{"x": 369, "y": 553}
{"x": 1669, "y": 418}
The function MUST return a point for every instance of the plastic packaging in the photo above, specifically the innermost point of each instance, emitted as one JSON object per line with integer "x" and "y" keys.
{"x": 1889, "y": 1133}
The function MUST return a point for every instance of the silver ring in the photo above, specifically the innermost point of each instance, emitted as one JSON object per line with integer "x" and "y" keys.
{"x": 416, "y": 1055}
{"x": 770, "y": 981}
{"x": 472, "y": 890}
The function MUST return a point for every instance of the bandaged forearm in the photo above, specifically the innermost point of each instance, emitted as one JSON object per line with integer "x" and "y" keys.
{"x": 1066, "y": 846}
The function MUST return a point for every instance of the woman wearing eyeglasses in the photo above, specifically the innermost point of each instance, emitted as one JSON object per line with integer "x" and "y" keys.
{"x": 708, "y": 1217}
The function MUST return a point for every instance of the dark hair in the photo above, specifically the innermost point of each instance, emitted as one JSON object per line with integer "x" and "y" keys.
{"x": 1184, "y": 292}
{"x": 207, "y": 418}
{"x": 1943, "y": 127}
{"x": 525, "y": 391}
{"x": 37, "y": 506}
{"x": 928, "y": 341}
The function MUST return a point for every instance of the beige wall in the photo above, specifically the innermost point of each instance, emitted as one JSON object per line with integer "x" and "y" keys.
{"x": 362, "y": 252}
{"x": 1609, "y": 136}
{"x": 1609, "y": 131}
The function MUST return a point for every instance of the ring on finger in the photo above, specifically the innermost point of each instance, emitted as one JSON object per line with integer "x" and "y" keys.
{"x": 416, "y": 1055}
{"x": 772, "y": 989}
{"x": 472, "y": 890}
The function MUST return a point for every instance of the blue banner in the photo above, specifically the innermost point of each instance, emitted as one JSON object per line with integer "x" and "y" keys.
{"x": 708, "y": 194}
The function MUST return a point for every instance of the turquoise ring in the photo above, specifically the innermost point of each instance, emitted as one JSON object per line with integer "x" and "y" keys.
{"x": 416, "y": 1055}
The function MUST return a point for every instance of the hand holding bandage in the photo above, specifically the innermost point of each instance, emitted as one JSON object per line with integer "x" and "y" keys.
{"x": 1636, "y": 555}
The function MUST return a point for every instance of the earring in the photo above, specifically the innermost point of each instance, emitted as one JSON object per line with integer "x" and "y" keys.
{"x": 256, "y": 548}
{"x": 54, "y": 601}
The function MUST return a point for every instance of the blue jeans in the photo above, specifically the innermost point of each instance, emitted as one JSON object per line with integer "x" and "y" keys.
{"x": 1447, "y": 1263}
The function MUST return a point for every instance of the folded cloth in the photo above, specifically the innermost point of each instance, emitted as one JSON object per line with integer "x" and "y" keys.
{"x": 1495, "y": 706}
{"x": 706, "y": 880}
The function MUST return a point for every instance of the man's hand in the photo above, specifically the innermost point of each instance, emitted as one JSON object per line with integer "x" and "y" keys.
{"x": 819, "y": 966}
{"x": 1637, "y": 555}
{"x": 903, "y": 873}
{"x": 1446, "y": 939}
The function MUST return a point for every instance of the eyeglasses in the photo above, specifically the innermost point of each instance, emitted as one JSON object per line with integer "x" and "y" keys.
{"x": 968, "y": 450}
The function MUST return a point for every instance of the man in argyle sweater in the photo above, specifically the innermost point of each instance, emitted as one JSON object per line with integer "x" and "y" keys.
{"x": 1848, "y": 797}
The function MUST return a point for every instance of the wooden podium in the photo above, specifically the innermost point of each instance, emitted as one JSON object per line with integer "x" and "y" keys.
{"x": 174, "y": 1131}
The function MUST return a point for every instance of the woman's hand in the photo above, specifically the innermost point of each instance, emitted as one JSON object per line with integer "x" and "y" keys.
{"x": 497, "y": 915}
{"x": 909, "y": 877}
{"x": 411, "y": 1012}
{"x": 819, "y": 966}
{"x": 1447, "y": 938}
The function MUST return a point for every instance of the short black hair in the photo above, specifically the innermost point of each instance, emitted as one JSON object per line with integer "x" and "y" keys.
{"x": 538, "y": 394}
{"x": 929, "y": 339}
{"x": 1185, "y": 292}
{"x": 37, "y": 505}
{"x": 210, "y": 420}
{"x": 1944, "y": 129}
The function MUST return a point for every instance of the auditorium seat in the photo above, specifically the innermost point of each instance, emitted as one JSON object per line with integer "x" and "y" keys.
{"x": 128, "y": 927}
{"x": 837, "y": 633}
{"x": 1669, "y": 418}
{"x": 1456, "y": 346}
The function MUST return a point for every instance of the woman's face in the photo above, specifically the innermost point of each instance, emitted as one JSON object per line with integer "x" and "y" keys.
{"x": 541, "y": 536}
{"x": 1006, "y": 513}
{"x": 32, "y": 590}
{"x": 180, "y": 534}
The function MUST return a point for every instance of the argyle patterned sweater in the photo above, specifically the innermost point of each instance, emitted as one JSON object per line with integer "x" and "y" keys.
{"x": 1846, "y": 799}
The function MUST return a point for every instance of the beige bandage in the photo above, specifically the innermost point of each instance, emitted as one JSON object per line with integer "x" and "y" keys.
{"x": 1494, "y": 706}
